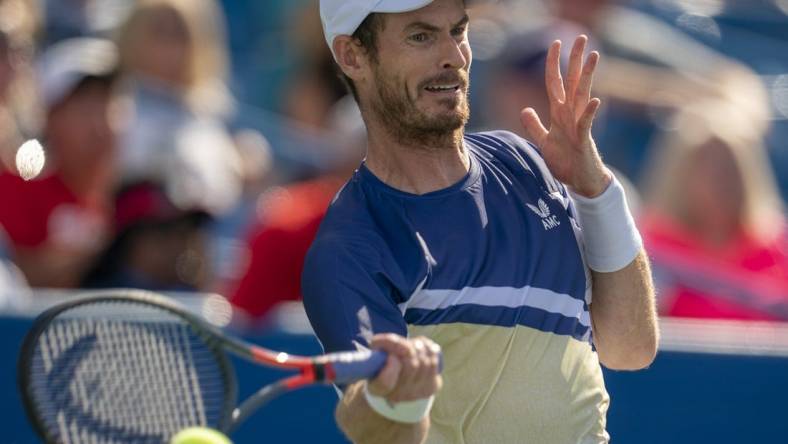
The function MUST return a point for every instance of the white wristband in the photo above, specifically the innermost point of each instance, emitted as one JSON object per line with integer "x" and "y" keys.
{"x": 409, "y": 412}
{"x": 612, "y": 240}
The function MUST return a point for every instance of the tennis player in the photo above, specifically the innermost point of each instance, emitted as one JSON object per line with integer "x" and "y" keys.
{"x": 519, "y": 259}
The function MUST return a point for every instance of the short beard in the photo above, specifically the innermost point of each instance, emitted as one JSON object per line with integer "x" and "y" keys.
{"x": 408, "y": 125}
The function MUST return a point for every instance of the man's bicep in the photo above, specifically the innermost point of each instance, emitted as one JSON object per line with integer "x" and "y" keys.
{"x": 345, "y": 299}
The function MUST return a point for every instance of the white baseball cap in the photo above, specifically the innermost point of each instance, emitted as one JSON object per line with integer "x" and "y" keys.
{"x": 343, "y": 17}
{"x": 66, "y": 63}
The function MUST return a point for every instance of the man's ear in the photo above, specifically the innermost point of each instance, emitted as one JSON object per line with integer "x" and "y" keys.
{"x": 350, "y": 57}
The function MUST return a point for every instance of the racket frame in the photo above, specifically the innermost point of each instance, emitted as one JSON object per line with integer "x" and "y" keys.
{"x": 311, "y": 370}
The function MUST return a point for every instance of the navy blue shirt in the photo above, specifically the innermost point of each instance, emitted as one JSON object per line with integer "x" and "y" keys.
{"x": 384, "y": 259}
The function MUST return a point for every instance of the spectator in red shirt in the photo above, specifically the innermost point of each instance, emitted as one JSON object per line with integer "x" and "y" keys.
{"x": 278, "y": 245}
{"x": 713, "y": 225}
{"x": 287, "y": 222}
{"x": 58, "y": 222}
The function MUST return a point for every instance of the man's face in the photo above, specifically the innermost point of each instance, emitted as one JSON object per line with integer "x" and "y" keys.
{"x": 419, "y": 84}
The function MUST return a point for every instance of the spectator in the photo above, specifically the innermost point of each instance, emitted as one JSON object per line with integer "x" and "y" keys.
{"x": 280, "y": 240}
{"x": 287, "y": 222}
{"x": 713, "y": 224}
{"x": 173, "y": 60}
{"x": 17, "y": 105}
{"x": 17, "y": 25}
{"x": 157, "y": 245}
{"x": 58, "y": 222}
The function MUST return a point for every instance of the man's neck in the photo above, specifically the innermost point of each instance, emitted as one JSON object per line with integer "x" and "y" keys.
{"x": 416, "y": 167}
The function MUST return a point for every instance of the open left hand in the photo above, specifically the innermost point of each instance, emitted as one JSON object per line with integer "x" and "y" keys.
{"x": 568, "y": 148}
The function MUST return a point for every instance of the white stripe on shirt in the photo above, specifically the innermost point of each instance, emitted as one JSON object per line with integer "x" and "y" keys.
{"x": 528, "y": 296}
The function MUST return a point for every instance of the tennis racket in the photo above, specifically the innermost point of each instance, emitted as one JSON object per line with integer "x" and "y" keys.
{"x": 136, "y": 367}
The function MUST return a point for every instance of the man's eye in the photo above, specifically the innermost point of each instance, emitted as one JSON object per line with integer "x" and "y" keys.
{"x": 420, "y": 37}
{"x": 460, "y": 30}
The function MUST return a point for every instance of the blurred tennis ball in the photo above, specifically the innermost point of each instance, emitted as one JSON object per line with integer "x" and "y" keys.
{"x": 30, "y": 159}
{"x": 200, "y": 435}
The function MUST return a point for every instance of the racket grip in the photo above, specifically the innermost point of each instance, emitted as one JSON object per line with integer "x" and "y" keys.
{"x": 350, "y": 367}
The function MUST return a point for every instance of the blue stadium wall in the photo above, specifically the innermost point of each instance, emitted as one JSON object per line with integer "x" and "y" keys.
{"x": 712, "y": 382}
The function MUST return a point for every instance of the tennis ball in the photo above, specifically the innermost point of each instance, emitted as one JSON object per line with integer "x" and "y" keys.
{"x": 30, "y": 159}
{"x": 200, "y": 435}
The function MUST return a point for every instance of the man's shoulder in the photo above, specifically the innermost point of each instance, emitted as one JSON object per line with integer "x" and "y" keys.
{"x": 346, "y": 245}
{"x": 348, "y": 210}
{"x": 348, "y": 222}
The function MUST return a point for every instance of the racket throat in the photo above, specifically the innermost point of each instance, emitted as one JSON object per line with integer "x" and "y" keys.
{"x": 323, "y": 372}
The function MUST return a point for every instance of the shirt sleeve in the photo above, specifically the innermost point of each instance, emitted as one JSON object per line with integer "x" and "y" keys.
{"x": 347, "y": 296}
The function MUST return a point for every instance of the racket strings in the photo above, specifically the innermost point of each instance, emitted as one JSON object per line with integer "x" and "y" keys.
{"x": 134, "y": 373}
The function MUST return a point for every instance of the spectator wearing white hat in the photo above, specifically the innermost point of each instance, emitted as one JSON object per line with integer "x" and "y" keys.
{"x": 173, "y": 63}
{"x": 57, "y": 222}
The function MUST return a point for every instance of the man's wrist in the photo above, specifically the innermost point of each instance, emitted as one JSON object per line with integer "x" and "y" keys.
{"x": 409, "y": 412}
{"x": 611, "y": 239}
{"x": 594, "y": 187}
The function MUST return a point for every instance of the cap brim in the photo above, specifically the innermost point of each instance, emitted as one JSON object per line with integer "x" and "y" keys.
{"x": 64, "y": 65}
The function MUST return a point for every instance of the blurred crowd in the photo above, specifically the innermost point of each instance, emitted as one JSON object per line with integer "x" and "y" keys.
{"x": 194, "y": 145}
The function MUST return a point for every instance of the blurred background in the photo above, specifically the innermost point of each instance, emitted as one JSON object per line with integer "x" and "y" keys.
{"x": 193, "y": 147}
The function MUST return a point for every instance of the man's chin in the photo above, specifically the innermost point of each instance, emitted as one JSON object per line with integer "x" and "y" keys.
{"x": 454, "y": 119}
{"x": 443, "y": 124}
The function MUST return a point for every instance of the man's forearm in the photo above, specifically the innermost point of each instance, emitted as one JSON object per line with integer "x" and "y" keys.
{"x": 363, "y": 425}
{"x": 624, "y": 317}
